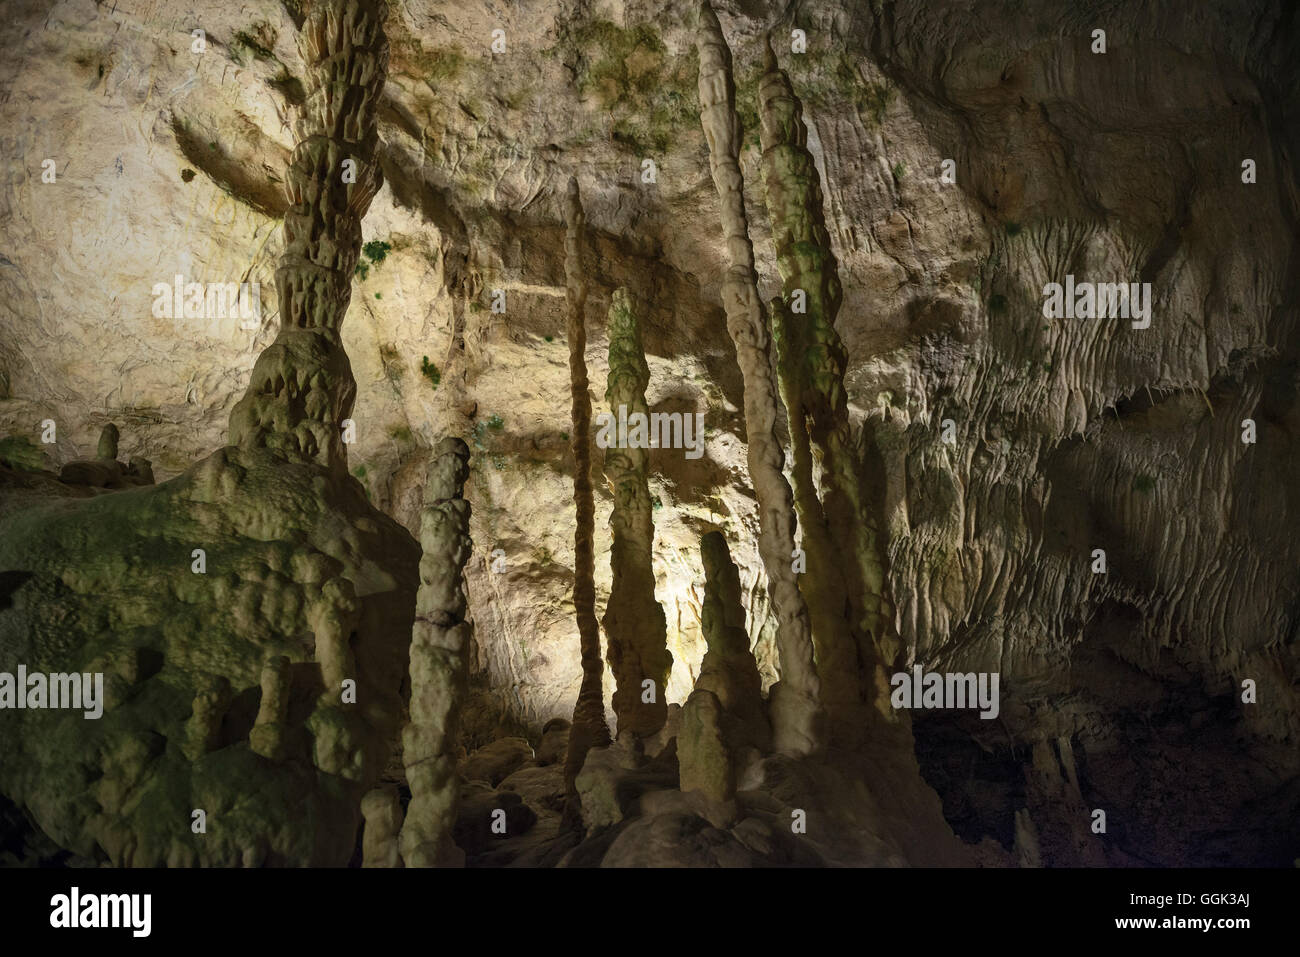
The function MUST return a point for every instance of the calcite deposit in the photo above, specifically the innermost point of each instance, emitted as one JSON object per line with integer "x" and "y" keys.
{"x": 406, "y": 612}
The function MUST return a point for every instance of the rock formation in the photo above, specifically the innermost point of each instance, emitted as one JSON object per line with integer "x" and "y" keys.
{"x": 795, "y": 706}
{"x": 589, "y": 729}
{"x": 439, "y": 663}
{"x": 105, "y": 471}
{"x": 188, "y": 595}
{"x": 966, "y": 158}
{"x": 634, "y": 622}
{"x": 724, "y": 725}
{"x": 382, "y": 810}
{"x": 728, "y": 670}
{"x": 846, "y": 573}
{"x": 302, "y": 389}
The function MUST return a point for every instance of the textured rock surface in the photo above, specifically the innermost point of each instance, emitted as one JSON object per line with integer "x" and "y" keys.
{"x": 795, "y": 705}
{"x": 589, "y": 729}
{"x": 439, "y": 665}
{"x": 1070, "y": 434}
{"x": 635, "y": 629}
{"x": 190, "y": 595}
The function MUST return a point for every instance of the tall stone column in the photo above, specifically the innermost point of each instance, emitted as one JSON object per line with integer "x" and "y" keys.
{"x": 635, "y": 626}
{"x": 439, "y": 663}
{"x": 795, "y": 708}
{"x": 589, "y": 729}
{"x": 846, "y": 560}
{"x": 302, "y": 388}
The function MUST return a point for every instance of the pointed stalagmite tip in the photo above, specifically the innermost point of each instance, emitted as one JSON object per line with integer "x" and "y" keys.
{"x": 769, "y": 55}
{"x": 707, "y": 16}
{"x": 573, "y": 187}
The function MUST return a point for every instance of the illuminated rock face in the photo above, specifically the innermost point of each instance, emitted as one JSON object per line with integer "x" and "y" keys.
{"x": 1067, "y": 435}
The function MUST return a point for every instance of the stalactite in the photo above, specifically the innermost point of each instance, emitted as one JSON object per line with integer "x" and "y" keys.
{"x": 840, "y": 517}
{"x": 635, "y": 626}
{"x": 795, "y": 697}
{"x": 589, "y": 729}
{"x": 439, "y": 666}
{"x": 302, "y": 389}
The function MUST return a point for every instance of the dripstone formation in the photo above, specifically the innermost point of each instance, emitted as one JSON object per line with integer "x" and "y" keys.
{"x": 912, "y": 463}
{"x": 439, "y": 663}
{"x": 634, "y": 621}
{"x": 248, "y": 615}
{"x": 795, "y": 701}
{"x": 838, "y": 512}
{"x": 589, "y": 729}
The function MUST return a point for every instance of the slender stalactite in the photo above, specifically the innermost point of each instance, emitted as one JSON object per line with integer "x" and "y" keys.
{"x": 302, "y": 388}
{"x": 634, "y": 621}
{"x": 589, "y": 729}
{"x": 846, "y": 559}
{"x": 795, "y": 698}
{"x": 440, "y": 641}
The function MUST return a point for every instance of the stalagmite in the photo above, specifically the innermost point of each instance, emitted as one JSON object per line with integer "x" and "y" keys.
{"x": 267, "y": 736}
{"x": 382, "y": 810}
{"x": 795, "y": 697}
{"x": 723, "y": 717}
{"x": 439, "y": 663}
{"x": 104, "y": 470}
{"x": 107, "y": 448}
{"x": 634, "y": 621}
{"x": 841, "y": 535}
{"x": 589, "y": 729}
{"x": 705, "y": 762}
{"x": 210, "y": 704}
{"x": 302, "y": 388}
{"x": 728, "y": 669}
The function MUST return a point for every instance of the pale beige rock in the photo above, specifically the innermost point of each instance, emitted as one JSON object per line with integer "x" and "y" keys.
{"x": 795, "y": 711}
{"x": 268, "y": 733}
{"x": 439, "y": 666}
